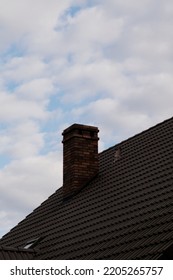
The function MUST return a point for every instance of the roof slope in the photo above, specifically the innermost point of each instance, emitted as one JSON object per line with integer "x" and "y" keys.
{"x": 124, "y": 213}
{"x": 10, "y": 253}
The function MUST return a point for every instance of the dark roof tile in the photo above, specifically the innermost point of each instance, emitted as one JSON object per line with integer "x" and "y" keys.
{"x": 12, "y": 253}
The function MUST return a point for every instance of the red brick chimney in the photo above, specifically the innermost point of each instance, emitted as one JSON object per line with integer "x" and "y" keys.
{"x": 80, "y": 157}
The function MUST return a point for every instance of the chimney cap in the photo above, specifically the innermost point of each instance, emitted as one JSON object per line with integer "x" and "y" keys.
{"x": 81, "y": 131}
{"x": 80, "y": 127}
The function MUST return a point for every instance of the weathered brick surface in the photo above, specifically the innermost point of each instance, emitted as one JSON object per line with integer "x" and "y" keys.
{"x": 80, "y": 157}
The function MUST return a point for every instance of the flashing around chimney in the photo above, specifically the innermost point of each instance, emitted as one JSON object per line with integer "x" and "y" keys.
{"x": 80, "y": 157}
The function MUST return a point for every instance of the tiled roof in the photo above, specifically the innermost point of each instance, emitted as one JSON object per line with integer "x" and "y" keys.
{"x": 126, "y": 212}
{"x": 11, "y": 253}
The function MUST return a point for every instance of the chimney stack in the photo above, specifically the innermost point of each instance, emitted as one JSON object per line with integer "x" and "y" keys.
{"x": 80, "y": 157}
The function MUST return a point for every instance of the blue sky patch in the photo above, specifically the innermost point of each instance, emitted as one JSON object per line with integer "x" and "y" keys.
{"x": 72, "y": 11}
{"x": 11, "y": 86}
{"x": 13, "y": 51}
{"x": 4, "y": 160}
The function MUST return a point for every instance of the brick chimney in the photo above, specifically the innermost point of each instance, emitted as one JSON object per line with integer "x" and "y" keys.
{"x": 80, "y": 157}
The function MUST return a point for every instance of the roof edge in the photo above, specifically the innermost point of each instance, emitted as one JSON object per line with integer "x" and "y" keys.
{"x": 136, "y": 135}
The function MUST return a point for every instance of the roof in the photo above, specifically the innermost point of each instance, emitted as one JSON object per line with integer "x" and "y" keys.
{"x": 11, "y": 253}
{"x": 126, "y": 212}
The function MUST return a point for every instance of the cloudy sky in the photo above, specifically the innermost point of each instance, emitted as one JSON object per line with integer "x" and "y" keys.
{"x": 104, "y": 63}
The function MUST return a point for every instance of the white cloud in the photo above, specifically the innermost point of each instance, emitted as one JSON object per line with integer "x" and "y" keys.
{"x": 14, "y": 109}
{"x": 22, "y": 140}
{"x": 151, "y": 40}
{"x": 115, "y": 120}
{"x": 29, "y": 22}
{"x": 134, "y": 9}
{"x": 36, "y": 89}
{"x": 92, "y": 26}
{"x": 153, "y": 95}
{"x": 37, "y": 175}
{"x": 84, "y": 36}
{"x": 23, "y": 68}
{"x": 26, "y": 183}
{"x": 83, "y": 81}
